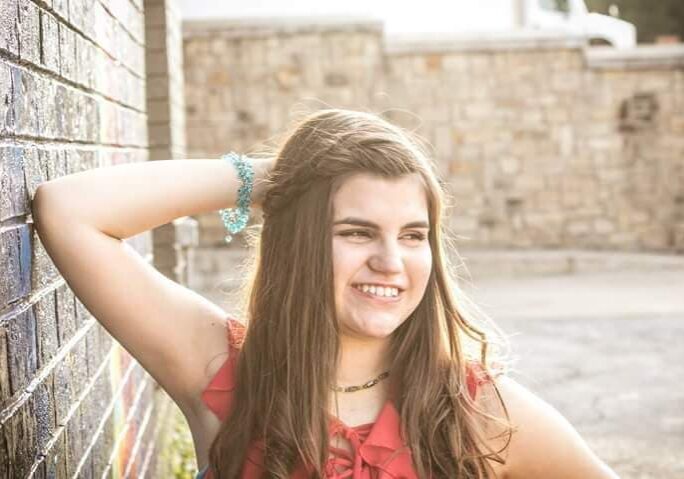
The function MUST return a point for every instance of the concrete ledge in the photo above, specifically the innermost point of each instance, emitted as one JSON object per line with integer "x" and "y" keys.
{"x": 509, "y": 263}
{"x": 267, "y": 26}
{"x": 486, "y": 41}
{"x": 642, "y": 57}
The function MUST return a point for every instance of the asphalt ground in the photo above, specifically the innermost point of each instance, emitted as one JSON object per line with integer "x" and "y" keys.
{"x": 607, "y": 351}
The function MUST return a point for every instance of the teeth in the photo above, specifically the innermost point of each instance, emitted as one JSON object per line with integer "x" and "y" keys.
{"x": 378, "y": 290}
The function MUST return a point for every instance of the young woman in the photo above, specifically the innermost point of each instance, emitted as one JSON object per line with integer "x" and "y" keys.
{"x": 357, "y": 355}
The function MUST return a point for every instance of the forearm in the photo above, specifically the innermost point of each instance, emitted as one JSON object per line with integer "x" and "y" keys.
{"x": 125, "y": 200}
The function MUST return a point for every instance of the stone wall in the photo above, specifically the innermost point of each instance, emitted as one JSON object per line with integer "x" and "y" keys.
{"x": 549, "y": 144}
{"x": 544, "y": 142}
{"x": 243, "y": 82}
{"x": 73, "y": 403}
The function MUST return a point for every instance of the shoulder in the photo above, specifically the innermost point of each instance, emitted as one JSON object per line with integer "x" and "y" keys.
{"x": 543, "y": 442}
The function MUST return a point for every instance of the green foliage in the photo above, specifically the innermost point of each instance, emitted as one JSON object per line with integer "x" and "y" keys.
{"x": 179, "y": 452}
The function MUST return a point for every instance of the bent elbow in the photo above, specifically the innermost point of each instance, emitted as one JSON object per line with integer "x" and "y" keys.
{"x": 43, "y": 205}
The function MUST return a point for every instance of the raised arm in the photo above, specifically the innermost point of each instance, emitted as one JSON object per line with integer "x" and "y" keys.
{"x": 124, "y": 200}
{"x": 82, "y": 219}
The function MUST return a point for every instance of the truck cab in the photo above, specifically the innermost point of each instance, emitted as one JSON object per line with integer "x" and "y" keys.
{"x": 573, "y": 17}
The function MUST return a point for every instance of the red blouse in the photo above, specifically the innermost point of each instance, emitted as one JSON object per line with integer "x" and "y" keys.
{"x": 379, "y": 452}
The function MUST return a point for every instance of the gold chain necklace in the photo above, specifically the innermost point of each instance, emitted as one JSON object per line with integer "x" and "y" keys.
{"x": 350, "y": 389}
{"x": 369, "y": 384}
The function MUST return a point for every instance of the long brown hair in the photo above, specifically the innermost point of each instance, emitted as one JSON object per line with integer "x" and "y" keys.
{"x": 286, "y": 366}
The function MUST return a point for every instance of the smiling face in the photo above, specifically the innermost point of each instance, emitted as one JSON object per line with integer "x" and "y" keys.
{"x": 380, "y": 237}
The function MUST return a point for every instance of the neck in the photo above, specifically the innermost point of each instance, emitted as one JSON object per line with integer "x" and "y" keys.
{"x": 361, "y": 360}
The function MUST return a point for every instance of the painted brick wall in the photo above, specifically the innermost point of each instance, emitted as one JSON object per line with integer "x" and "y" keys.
{"x": 72, "y": 97}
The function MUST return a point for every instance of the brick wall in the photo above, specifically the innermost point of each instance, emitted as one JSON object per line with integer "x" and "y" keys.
{"x": 72, "y": 97}
{"x": 173, "y": 242}
{"x": 544, "y": 143}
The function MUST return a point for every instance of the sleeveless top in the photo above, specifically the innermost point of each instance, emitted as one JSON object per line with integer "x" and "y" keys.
{"x": 379, "y": 451}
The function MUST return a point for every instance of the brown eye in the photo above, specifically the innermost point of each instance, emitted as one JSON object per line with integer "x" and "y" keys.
{"x": 355, "y": 233}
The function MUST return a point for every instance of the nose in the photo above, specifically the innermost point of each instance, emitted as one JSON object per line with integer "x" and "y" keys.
{"x": 387, "y": 259}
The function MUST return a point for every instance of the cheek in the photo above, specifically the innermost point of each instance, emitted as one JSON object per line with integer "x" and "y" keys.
{"x": 345, "y": 262}
{"x": 421, "y": 267}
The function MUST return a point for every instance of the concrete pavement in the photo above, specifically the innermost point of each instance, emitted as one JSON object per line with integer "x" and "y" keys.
{"x": 607, "y": 351}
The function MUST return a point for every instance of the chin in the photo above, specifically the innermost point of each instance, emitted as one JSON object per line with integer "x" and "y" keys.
{"x": 378, "y": 329}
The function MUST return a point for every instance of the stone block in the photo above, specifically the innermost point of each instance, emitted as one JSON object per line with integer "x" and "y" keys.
{"x": 13, "y": 194}
{"x": 656, "y": 237}
{"x": 94, "y": 353}
{"x": 43, "y": 270}
{"x": 92, "y": 115}
{"x": 578, "y": 227}
{"x": 155, "y": 16}
{"x": 34, "y": 173}
{"x": 26, "y": 101}
{"x": 55, "y": 162}
{"x": 75, "y": 444}
{"x": 76, "y": 13}
{"x": 80, "y": 371}
{"x": 29, "y": 31}
{"x": 50, "y": 41}
{"x": 159, "y": 135}
{"x": 5, "y": 387}
{"x": 21, "y": 349}
{"x": 509, "y": 165}
{"x": 82, "y": 314}
{"x": 55, "y": 461}
{"x": 105, "y": 25}
{"x": 43, "y": 411}
{"x": 19, "y": 443}
{"x": 678, "y": 237}
{"x": 156, "y": 40}
{"x": 158, "y": 110}
{"x": 67, "y": 52}
{"x": 46, "y": 328}
{"x": 157, "y": 86}
{"x": 132, "y": 54}
{"x": 9, "y": 27}
{"x": 7, "y": 113}
{"x": 603, "y": 226}
{"x": 15, "y": 263}
{"x": 157, "y": 65}
{"x": 66, "y": 314}
{"x": 45, "y": 96}
{"x": 62, "y": 390}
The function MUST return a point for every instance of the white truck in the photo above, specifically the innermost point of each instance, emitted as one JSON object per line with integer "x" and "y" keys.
{"x": 501, "y": 16}
{"x": 572, "y": 16}
{"x": 436, "y": 16}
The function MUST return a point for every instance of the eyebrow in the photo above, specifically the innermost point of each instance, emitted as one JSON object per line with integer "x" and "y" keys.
{"x": 360, "y": 222}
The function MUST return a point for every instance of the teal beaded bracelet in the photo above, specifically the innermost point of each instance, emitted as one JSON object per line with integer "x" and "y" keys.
{"x": 235, "y": 219}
